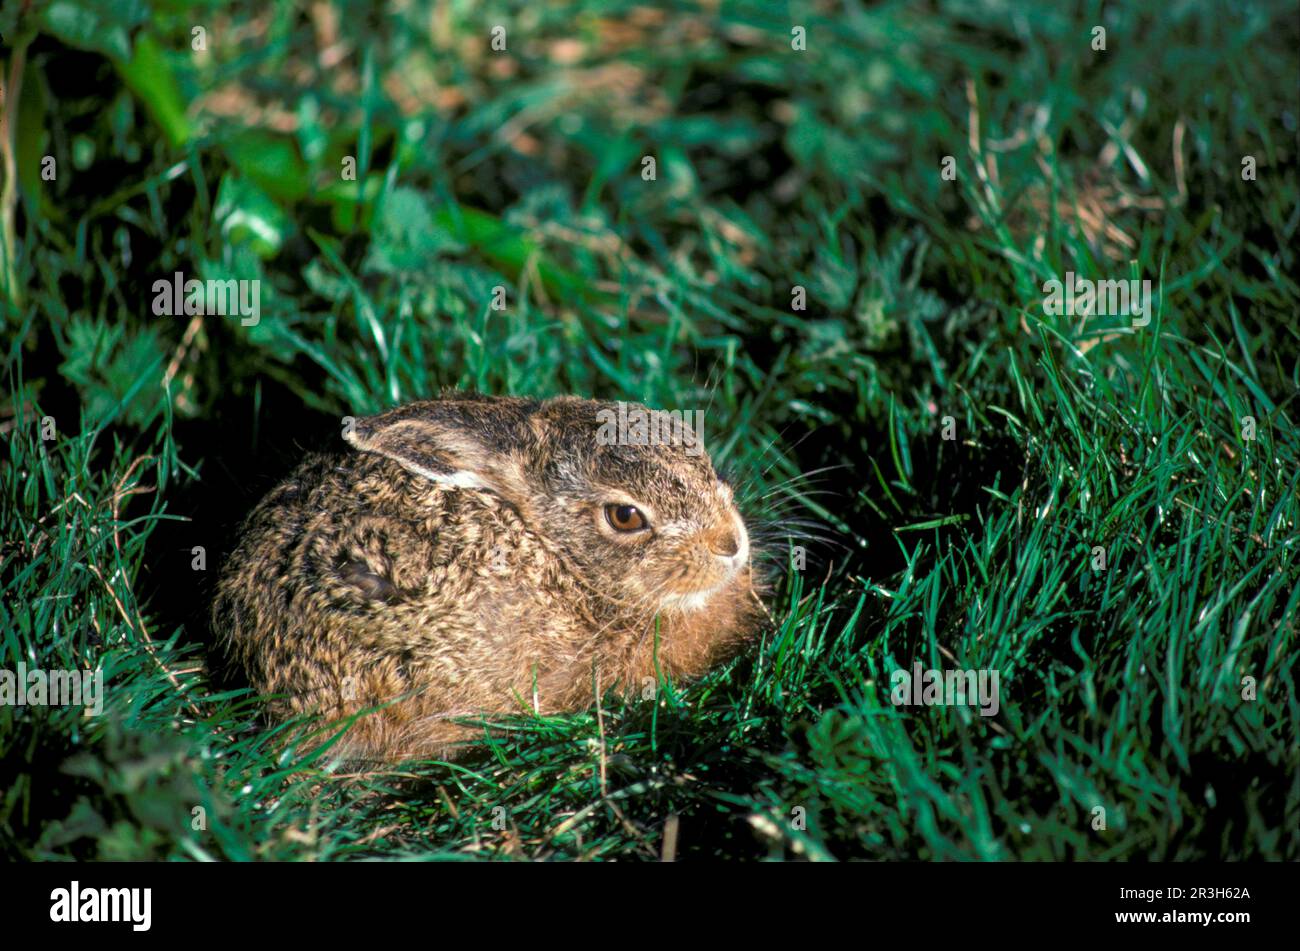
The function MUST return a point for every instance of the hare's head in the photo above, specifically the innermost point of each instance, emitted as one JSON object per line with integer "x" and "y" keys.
{"x": 628, "y": 493}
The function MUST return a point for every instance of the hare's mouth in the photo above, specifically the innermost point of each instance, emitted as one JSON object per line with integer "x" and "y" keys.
{"x": 687, "y": 601}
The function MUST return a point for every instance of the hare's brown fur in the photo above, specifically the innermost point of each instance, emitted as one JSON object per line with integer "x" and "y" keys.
{"x": 456, "y": 566}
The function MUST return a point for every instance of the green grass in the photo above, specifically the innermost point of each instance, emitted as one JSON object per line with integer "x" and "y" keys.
{"x": 1122, "y": 687}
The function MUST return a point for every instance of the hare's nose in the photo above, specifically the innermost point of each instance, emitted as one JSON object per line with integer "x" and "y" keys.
{"x": 724, "y": 542}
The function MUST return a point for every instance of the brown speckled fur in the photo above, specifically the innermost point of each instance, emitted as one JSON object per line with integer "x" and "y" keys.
{"x": 361, "y": 580}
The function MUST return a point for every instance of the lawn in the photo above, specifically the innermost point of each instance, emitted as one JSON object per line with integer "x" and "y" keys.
{"x": 835, "y": 230}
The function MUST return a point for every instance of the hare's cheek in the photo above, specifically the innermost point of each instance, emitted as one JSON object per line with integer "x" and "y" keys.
{"x": 678, "y": 571}
{"x": 640, "y": 585}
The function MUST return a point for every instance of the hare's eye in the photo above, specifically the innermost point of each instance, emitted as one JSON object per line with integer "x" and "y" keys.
{"x": 624, "y": 518}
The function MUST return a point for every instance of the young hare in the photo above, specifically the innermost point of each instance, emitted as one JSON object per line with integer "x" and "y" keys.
{"x": 485, "y": 555}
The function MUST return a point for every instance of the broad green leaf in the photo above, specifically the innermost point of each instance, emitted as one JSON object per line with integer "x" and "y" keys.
{"x": 150, "y": 78}
{"x": 247, "y": 215}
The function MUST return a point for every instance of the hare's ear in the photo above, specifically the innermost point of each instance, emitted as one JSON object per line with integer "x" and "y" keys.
{"x": 466, "y": 443}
